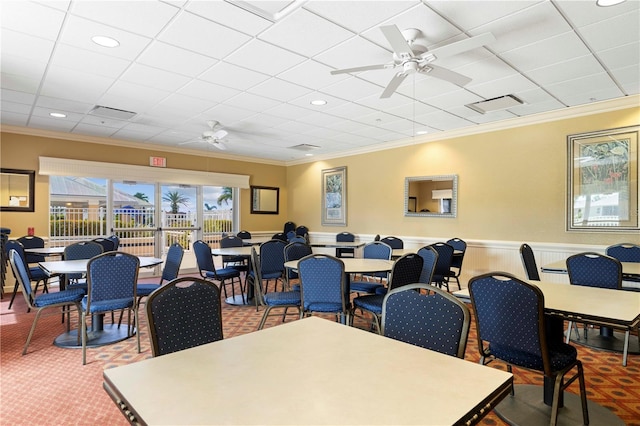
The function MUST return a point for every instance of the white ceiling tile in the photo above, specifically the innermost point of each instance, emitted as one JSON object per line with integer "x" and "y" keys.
{"x": 91, "y": 62}
{"x": 205, "y": 90}
{"x": 628, "y": 77}
{"x": 569, "y": 70}
{"x": 51, "y": 124}
{"x": 228, "y": 14}
{"x": 31, "y": 18}
{"x": 425, "y": 87}
{"x": 351, "y": 89}
{"x": 103, "y": 122}
{"x": 25, "y": 46}
{"x": 19, "y": 83}
{"x": 78, "y": 32}
{"x": 486, "y": 70}
{"x": 512, "y": 84}
{"x": 23, "y": 67}
{"x": 233, "y": 76}
{"x": 252, "y": 102}
{"x": 358, "y": 16}
{"x": 14, "y": 96}
{"x": 174, "y": 59}
{"x": 627, "y": 55}
{"x": 143, "y": 97}
{"x": 613, "y": 32}
{"x": 154, "y": 77}
{"x": 201, "y": 35}
{"x": 476, "y": 117}
{"x": 18, "y": 108}
{"x": 70, "y": 84}
{"x": 319, "y": 119}
{"x": 583, "y": 90}
{"x": 375, "y": 102}
{"x": 147, "y": 18}
{"x": 411, "y": 109}
{"x": 264, "y": 57}
{"x": 350, "y": 111}
{"x": 281, "y": 90}
{"x": 546, "y": 52}
{"x": 288, "y": 110}
{"x": 63, "y": 105}
{"x": 312, "y": 74}
{"x": 442, "y": 120}
{"x": 227, "y": 114}
{"x": 14, "y": 119}
{"x": 305, "y": 101}
{"x": 472, "y": 13}
{"x": 582, "y": 13}
{"x": 187, "y": 105}
{"x": 90, "y": 129}
{"x": 354, "y": 52}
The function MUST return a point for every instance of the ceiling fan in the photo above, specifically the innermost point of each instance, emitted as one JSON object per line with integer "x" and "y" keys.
{"x": 212, "y": 136}
{"x": 413, "y": 57}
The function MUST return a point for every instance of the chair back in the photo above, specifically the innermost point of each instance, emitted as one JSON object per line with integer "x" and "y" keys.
{"x": 31, "y": 241}
{"x": 497, "y": 298}
{"x": 184, "y": 313}
{"x": 624, "y": 252}
{"x": 291, "y": 235}
{"x": 111, "y": 276}
{"x": 280, "y": 236}
{"x": 172, "y": 263}
{"x": 426, "y": 316}
{"x": 529, "y": 262}
{"x": 244, "y": 235}
{"x": 298, "y": 239}
{"x": 288, "y": 226}
{"x": 295, "y": 251}
{"x": 459, "y": 246}
{"x": 345, "y": 237}
{"x": 594, "y": 270}
{"x": 377, "y": 250}
{"x": 81, "y": 250}
{"x": 429, "y": 259}
{"x": 231, "y": 241}
{"x": 19, "y": 249}
{"x": 256, "y": 277}
{"x": 302, "y": 230}
{"x": 116, "y": 241}
{"x": 323, "y": 284}
{"x": 445, "y": 257}
{"x": 272, "y": 257}
{"x": 21, "y": 273}
{"x": 377, "y": 237}
{"x": 406, "y": 270}
{"x": 393, "y": 242}
{"x": 204, "y": 258}
{"x": 106, "y": 243}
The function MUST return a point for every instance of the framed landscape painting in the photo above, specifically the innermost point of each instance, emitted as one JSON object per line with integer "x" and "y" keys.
{"x": 603, "y": 180}
{"x": 334, "y": 196}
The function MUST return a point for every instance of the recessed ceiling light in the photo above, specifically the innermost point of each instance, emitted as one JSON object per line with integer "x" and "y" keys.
{"x": 422, "y": 132}
{"x": 606, "y": 3}
{"x": 318, "y": 102}
{"x": 105, "y": 41}
{"x": 308, "y": 155}
{"x": 57, "y": 114}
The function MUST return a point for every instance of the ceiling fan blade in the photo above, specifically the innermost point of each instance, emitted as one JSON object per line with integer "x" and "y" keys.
{"x": 219, "y": 145}
{"x": 192, "y": 141}
{"x": 219, "y": 134}
{"x": 461, "y": 46}
{"x": 393, "y": 85}
{"x": 445, "y": 74}
{"x": 364, "y": 68}
{"x": 397, "y": 42}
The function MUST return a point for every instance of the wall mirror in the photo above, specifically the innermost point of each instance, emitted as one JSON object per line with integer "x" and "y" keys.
{"x": 265, "y": 200}
{"x": 431, "y": 196}
{"x": 17, "y": 190}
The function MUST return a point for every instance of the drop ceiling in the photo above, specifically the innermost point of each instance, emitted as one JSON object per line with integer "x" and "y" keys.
{"x": 255, "y": 67}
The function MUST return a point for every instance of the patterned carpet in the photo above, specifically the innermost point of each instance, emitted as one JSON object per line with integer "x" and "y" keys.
{"x": 50, "y": 386}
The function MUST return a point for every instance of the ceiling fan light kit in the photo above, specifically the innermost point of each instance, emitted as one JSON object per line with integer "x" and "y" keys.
{"x": 414, "y": 57}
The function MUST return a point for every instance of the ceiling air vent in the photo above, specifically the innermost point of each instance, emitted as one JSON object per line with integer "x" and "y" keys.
{"x": 107, "y": 112}
{"x": 495, "y": 104}
{"x": 304, "y": 147}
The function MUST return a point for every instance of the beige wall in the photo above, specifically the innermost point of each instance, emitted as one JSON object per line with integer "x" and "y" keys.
{"x": 512, "y": 183}
{"x": 22, "y": 152}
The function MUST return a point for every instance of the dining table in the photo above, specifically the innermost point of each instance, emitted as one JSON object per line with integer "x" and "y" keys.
{"x": 100, "y": 333}
{"x": 606, "y": 338}
{"x": 304, "y": 373}
{"x": 46, "y": 251}
{"x": 244, "y": 251}
{"x": 598, "y": 306}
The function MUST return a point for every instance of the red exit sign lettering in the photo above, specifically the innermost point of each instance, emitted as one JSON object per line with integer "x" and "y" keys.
{"x": 157, "y": 161}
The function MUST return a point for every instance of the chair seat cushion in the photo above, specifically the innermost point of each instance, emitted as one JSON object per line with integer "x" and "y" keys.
{"x": 107, "y": 305}
{"x": 146, "y": 289}
{"x": 71, "y": 295}
{"x": 38, "y": 274}
{"x": 323, "y": 307}
{"x": 561, "y": 356}
{"x": 364, "y": 287}
{"x": 371, "y": 303}
{"x": 223, "y": 274}
{"x": 279, "y": 298}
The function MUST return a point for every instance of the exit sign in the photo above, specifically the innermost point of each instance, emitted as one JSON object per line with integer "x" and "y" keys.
{"x": 157, "y": 161}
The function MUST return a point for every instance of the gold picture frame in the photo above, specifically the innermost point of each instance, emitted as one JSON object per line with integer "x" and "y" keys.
{"x": 603, "y": 180}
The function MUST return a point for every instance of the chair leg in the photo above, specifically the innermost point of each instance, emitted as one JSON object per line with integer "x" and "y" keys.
{"x": 33, "y": 327}
{"x": 264, "y": 317}
{"x": 137, "y": 326}
{"x": 13, "y": 295}
{"x": 583, "y": 395}
{"x": 84, "y": 338}
{"x": 625, "y": 349}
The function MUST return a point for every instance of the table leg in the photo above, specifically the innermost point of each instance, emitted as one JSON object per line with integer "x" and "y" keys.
{"x": 99, "y": 334}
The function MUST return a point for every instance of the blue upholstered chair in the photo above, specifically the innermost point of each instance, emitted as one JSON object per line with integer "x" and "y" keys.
{"x": 393, "y": 242}
{"x": 35, "y": 273}
{"x": 184, "y": 313}
{"x": 294, "y": 251}
{"x": 373, "y": 250}
{"x": 169, "y": 272}
{"x": 288, "y": 226}
{"x": 441, "y": 273}
{"x": 244, "y": 235}
{"x": 499, "y": 298}
{"x": 111, "y": 286}
{"x": 345, "y": 237}
{"x": 224, "y": 276}
{"x": 116, "y": 241}
{"x": 60, "y": 299}
{"x": 426, "y": 316}
{"x": 297, "y": 239}
{"x": 529, "y": 262}
{"x": 77, "y": 251}
{"x": 460, "y": 248}
{"x": 281, "y": 236}
{"x": 626, "y": 252}
{"x": 106, "y": 243}
{"x": 429, "y": 259}
{"x": 323, "y": 287}
{"x": 302, "y": 231}
{"x": 32, "y": 241}
{"x": 276, "y": 299}
{"x": 272, "y": 262}
{"x": 406, "y": 270}
{"x": 241, "y": 263}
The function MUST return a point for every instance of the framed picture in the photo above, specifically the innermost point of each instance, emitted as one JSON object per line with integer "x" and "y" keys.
{"x": 603, "y": 180}
{"x": 334, "y": 196}
{"x": 17, "y": 189}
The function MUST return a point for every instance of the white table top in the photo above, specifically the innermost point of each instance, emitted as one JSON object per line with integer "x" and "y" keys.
{"x": 47, "y": 251}
{"x": 232, "y": 251}
{"x": 310, "y": 371}
{"x": 619, "y": 306}
{"x": 76, "y": 266}
{"x": 560, "y": 267}
{"x": 337, "y": 244}
{"x": 356, "y": 265}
